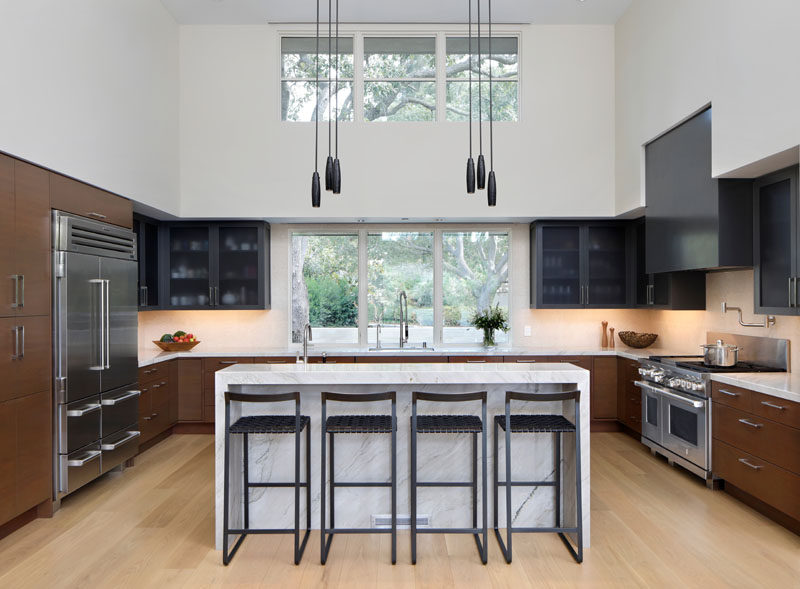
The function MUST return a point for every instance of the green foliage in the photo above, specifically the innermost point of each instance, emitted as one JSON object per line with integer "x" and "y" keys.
{"x": 452, "y": 316}
{"x": 332, "y": 302}
{"x": 491, "y": 318}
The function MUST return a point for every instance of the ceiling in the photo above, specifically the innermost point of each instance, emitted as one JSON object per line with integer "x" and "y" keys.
{"x": 384, "y": 11}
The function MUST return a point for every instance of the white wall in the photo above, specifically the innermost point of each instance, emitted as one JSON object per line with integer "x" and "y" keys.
{"x": 238, "y": 159}
{"x": 90, "y": 89}
{"x": 674, "y": 57}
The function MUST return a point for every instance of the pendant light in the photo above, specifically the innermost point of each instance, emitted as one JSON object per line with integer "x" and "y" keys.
{"x": 470, "y": 161}
{"x": 491, "y": 193}
{"x": 337, "y": 169}
{"x": 329, "y": 162}
{"x": 481, "y": 162}
{"x": 315, "y": 189}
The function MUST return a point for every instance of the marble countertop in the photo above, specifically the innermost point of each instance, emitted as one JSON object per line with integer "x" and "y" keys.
{"x": 152, "y": 355}
{"x": 398, "y": 374}
{"x": 778, "y": 384}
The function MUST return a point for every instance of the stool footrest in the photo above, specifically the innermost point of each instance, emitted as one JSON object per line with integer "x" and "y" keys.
{"x": 545, "y": 530}
{"x": 358, "y": 484}
{"x": 444, "y": 484}
{"x": 333, "y": 531}
{"x": 473, "y": 531}
{"x": 257, "y": 484}
{"x": 245, "y": 531}
{"x": 528, "y": 483}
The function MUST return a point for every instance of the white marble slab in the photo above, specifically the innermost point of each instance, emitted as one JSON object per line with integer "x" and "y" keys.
{"x": 367, "y": 457}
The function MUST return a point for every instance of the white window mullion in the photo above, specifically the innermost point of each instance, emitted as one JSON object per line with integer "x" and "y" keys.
{"x": 441, "y": 75}
{"x": 358, "y": 78}
{"x": 363, "y": 307}
{"x": 438, "y": 305}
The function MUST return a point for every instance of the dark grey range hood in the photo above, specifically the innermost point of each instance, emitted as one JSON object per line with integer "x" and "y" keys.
{"x": 694, "y": 221}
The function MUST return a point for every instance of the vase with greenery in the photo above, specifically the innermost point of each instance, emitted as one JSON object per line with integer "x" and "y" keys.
{"x": 490, "y": 320}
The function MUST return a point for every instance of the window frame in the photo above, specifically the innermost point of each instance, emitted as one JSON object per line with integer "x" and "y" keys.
{"x": 440, "y": 32}
{"x": 363, "y": 230}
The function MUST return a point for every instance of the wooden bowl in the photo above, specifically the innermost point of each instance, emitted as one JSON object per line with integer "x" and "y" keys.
{"x": 634, "y": 339}
{"x": 176, "y": 346}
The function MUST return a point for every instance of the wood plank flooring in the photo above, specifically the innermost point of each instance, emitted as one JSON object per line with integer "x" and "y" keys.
{"x": 152, "y": 526}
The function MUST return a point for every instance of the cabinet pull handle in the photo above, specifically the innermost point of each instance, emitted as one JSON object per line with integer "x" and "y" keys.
{"x": 476, "y": 361}
{"x": 749, "y": 464}
{"x": 276, "y": 362}
{"x": 97, "y": 215}
{"x": 228, "y": 361}
{"x": 92, "y": 454}
{"x": 21, "y": 290}
{"x": 751, "y": 424}
{"x": 587, "y": 294}
{"x": 210, "y": 296}
{"x": 90, "y": 408}
{"x": 15, "y": 278}
{"x": 791, "y": 291}
{"x": 146, "y": 297}
{"x": 147, "y": 418}
{"x": 730, "y": 394}
{"x": 15, "y": 331}
{"x": 773, "y": 405}
{"x": 154, "y": 415}
{"x": 526, "y": 361}
{"x": 21, "y": 351}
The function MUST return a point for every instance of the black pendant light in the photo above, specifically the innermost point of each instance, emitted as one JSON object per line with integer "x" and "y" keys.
{"x": 315, "y": 189}
{"x": 491, "y": 193}
{"x": 470, "y": 161}
{"x": 481, "y": 162}
{"x": 329, "y": 162}
{"x": 337, "y": 170}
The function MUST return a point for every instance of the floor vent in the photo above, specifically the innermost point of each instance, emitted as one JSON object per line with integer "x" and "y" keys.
{"x": 403, "y": 521}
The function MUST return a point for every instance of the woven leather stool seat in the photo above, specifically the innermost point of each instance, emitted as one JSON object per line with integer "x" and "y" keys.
{"x": 268, "y": 424}
{"x": 536, "y": 423}
{"x": 359, "y": 424}
{"x": 448, "y": 424}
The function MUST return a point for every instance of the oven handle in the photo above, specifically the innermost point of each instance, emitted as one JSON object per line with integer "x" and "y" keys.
{"x": 670, "y": 394}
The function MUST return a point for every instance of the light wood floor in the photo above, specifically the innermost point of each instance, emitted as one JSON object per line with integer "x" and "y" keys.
{"x": 652, "y": 526}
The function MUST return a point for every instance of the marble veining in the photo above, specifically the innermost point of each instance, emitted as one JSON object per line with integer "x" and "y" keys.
{"x": 366, "y": 457}
{"x": 778, "y": 384}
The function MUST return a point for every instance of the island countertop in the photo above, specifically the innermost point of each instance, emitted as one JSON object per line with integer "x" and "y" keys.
{"x": 366, "y": 457}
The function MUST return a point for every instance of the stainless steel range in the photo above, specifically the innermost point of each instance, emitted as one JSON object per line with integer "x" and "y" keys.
{"x": 676, "y": 397}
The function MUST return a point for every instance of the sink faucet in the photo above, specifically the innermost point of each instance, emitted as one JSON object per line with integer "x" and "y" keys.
{"x": 403, "y": 318}
{"x": 307, "y": 337}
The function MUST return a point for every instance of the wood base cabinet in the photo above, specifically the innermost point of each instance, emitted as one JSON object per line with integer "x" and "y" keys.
{"x": 629, "y": 397}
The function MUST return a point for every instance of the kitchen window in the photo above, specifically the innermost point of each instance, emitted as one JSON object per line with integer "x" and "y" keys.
{"x": 505, "y": 78}
{"x": 298, "y": 56}
{"x": 400, "y": 78}
{"x": 346, "y": 283}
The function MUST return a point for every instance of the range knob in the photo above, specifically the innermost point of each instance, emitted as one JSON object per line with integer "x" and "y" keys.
{"x": 698, "y": 386}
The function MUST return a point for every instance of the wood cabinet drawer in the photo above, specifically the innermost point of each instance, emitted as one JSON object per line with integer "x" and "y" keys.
{"x": 82, "y": 199}
{"x": 581, "y": 361}
{"x": 730, "y": 395}
{"x": 214, "y": 364}
{"x": 776, "y": 409}
{"x": 476, "y": 359}
{"x": 153, "y": 372}
{"x": 772, "y": 484}
{"x": 400, "y": 359}
{"x": 522, "y": 359}
{"x": 334, "y": 360}
{"x": 761, "y": 437}
{"x": 190, "y": 389}
{"x": 275, "y": 360}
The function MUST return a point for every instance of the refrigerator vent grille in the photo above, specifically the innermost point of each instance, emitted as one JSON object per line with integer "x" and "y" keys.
{"x": 77, "y": 234}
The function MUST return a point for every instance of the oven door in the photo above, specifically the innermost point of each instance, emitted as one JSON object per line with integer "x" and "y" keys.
{"x": 683, "y": 427}
{"x": 651, "y": 411}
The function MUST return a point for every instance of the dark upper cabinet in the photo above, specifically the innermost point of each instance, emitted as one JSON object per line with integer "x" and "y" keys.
{"x": 216, "y": 265}
{"x": 776, "y": 243}
{"x": 680, "y": 291}
{"x": 148, "y": 235}
{"x": 694, "y": 221}
{"x": 580, "y": 265}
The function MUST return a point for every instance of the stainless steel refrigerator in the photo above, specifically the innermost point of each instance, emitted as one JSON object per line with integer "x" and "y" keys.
{"x": 95, "y": 343}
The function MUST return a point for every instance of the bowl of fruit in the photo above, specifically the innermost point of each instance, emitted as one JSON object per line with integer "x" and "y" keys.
{"x": 180, "y": 341}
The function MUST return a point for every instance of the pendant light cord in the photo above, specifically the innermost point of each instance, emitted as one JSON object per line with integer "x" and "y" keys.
{"x": 329, "y": 77}
{"x": 337, "y": 79}
{"x": 480, "y": 90}
{"x": 316, "y": 97}
{"x": 469, "y": 43}
{"x": 491, "y": 118}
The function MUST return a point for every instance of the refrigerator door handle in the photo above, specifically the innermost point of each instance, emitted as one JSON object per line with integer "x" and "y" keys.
{"x": 107, "y": 328}
{"x": 101, "y": 333}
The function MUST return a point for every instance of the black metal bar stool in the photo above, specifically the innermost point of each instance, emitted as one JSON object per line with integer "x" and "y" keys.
{"x": 450, "y": 424}
{"x": 555, "y": 424}
{"x": 356, "y": 424}
{"x": 267, "y": 424}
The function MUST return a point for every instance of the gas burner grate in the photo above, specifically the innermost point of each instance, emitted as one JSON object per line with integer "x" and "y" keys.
{"x": 739, "y": 367}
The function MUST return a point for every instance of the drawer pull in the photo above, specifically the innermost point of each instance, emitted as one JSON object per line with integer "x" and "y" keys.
{"x": 229, "y": 362}
{"x": 773, "y": 405}
{"x": 730, "y": 394}
{"x": 476, "y": 361}
{"x": 277, "y": 362}
{"x": 155, "y": 386}
{"x": 749, "y": 464}
{"x": 91, "y": 455}
{"x": 97, "y": 215}
{"x": 90, "y": 408}
{"x": 526, "y": 361}
{"x": 124, "y": 397}
{"x": 751, "y": 424}
{"x": 147, "y": 418}
{"x": 108, "y": 446}
{"x": 154, "y": 415}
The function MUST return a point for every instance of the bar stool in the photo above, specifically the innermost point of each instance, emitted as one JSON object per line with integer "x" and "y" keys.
{"x": 555, "y": 424}
{"x": 267, "y": 424}
{"x": 356, "y": 424}
{"x": 450, "y": 424}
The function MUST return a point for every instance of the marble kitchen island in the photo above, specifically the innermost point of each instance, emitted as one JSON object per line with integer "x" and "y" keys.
{"x": 367, "y": 457}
